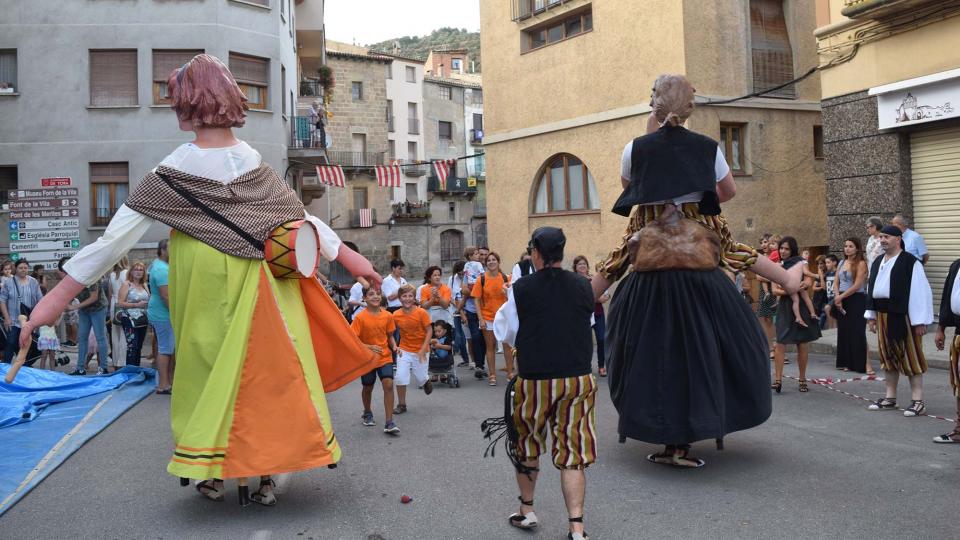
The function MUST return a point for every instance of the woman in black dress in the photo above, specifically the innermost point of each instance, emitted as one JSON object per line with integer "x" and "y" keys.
{"x": 788, "y": 332}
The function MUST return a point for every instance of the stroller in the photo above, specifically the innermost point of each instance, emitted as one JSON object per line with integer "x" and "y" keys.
{"x": 442, "y": 370}
{"x": 32, "y": 355}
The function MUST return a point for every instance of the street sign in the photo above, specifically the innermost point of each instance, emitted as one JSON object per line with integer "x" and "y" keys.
{"x": 46, "y": 213}
{"x": 43, "y": 255}
{"x": 63, "y": 234}
{"x": 53, "y": 182}
{"x": 55, "y": 193}
{"x": 22, "y": 247}
{"x": 39, "y": 204}
{"x": 44, "y": 224}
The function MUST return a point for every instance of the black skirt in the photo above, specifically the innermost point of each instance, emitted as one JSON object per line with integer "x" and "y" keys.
{"x": 788, "y": 331}
{"x": 687, "y": 359}
{"x": 852, "y": 334}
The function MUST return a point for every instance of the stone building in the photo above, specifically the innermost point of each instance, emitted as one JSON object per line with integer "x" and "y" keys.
{"x": 567, "y": 85}
{"x": 85, "y": 92}
{"x": 447, "y": 63}
{"x": 891, "y": 119}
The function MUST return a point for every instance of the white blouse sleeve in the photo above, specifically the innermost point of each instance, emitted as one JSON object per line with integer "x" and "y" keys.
{"x": 720, "y": 166}
{"x": 329, "y": 241}
{"x": 921, "y": 297}
{"x": 122, "y": 234}
{"x": 626, "y": 160}
{"x": 506, "y": 324}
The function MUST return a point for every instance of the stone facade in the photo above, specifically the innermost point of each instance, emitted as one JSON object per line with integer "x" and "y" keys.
{"x": 366, "y": 116}
{"x": 867, "y": 171}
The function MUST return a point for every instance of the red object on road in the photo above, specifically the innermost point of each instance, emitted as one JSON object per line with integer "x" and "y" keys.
{"x": 405, "y": 499}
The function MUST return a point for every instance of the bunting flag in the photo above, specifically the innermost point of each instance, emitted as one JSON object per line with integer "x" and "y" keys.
{"x": 331, "y": 175}
{"x": 442, "y": 169}
{"x": 366, "y": 217}
{"x": 388, "y": 175}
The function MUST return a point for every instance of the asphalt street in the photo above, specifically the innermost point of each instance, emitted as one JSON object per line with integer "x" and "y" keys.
{"x": 821, "y": 467}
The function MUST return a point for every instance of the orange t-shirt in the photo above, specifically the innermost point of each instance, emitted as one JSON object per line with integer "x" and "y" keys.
{"x": 425, "y": 293}
{"x": 492, "y": 294}
{"x": 375, "y": 330}
{"x": 413, "y": 328}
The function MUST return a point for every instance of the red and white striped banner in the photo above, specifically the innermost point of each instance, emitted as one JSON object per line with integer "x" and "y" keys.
{"x": 442, "y": 169}
{"x": 331, "y": 175}
{"x": 366, "y": 218}
{"x": 388, "y": 175}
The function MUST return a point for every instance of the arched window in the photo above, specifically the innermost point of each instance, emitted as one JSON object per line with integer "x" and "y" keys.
{"x": 564, "y": 184}
{"x": 451, "y": 248}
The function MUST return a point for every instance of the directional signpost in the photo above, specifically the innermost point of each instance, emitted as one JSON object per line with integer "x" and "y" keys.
{"x": 44, "y": 223}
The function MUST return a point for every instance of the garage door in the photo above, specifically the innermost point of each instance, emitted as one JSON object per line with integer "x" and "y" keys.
{"x": 935, "y": 159}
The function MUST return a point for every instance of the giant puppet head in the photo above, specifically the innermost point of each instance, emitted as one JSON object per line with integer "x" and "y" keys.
{"x": 672, "y": 100}
{"x": 204, "y": 94}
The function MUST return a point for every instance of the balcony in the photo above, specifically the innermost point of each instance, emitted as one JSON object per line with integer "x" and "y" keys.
{"x": 413, "y": 126}
{"x": 304, "y": 133}
{"x": 408, "y": 212}
{"x": 356, "y": 159}
{"x": 310, "y": 88}
{"x": 524, "y": 9}
{"x": 390, "y": 123}
{"x": 454, "y": 186}
{"x": 476, "y": 136}
{"x": 355, "y": 219}
{"x": 412, "y": 169}
{"x": 877, "y": 9}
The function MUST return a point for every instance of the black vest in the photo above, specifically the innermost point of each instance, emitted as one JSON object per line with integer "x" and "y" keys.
{"x": 667, "y": 164}
{"x": 898, "y": 305}
{"x": 554, "y": 308}
{"x": 947, "y": 316}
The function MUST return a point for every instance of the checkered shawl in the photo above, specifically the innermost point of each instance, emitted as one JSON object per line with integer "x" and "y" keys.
{"x": 257, "y": 202}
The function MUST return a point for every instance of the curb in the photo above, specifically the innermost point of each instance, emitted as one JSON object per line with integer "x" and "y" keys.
{"x": 830, "y": 349}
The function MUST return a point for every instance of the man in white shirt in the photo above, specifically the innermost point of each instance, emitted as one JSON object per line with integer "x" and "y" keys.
{"x": 392, "y": 283}
{"x": 355, "y": 301}
{"x": 899, "y": 308}
{"x": 523, "y": 268}
{"x": 913, "y": 243}
{"x": 950, "y": 316}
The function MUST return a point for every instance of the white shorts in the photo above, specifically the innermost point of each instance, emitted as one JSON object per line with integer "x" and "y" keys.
{"x": 407, "y": 362}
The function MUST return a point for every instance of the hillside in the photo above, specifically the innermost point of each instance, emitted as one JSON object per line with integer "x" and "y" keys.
{"x": 443, "y": 38}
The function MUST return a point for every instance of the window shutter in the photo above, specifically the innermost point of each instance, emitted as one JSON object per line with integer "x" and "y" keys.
{"x": 250, "y": 69}
{"x": 113, "y": 78}
{"x": 109, "y": 173}
{"x": 771, "y": 51}
{"x": 8, "y": 67}
{"x": 164, "y": 62}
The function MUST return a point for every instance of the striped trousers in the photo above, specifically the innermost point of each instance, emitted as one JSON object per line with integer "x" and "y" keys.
{"x": 565, "y": 407}
{"x": 955, "y": 367}
{"x": 905, "y": 356}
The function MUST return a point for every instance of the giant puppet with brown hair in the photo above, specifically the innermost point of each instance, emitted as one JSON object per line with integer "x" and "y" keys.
{"x": 255, "y": 349}
{"x": 687, "y": 359}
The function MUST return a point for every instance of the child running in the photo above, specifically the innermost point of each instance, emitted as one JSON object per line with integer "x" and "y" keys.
{"x": 415, "y": 334}
{"x": 375, "y": 328}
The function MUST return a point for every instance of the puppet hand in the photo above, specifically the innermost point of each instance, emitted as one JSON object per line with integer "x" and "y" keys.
{"x": 358, "y": 266}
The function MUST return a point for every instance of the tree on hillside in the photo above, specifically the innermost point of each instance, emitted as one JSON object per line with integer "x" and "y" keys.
{"x": 441, "y": 38}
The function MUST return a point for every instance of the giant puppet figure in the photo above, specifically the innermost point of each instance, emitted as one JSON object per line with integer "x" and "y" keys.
{"x": 687, "y": 357}
{"x": 255, "y": 353}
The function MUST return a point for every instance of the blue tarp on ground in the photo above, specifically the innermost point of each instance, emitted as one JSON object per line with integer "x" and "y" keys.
{"x": 46, "y": 416}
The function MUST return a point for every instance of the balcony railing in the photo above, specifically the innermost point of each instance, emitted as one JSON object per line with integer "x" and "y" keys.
{"x": 413, "y": 126}
{"x": 476, "y": 136}
{"x": 356, "y": 159}
{"x": 390, "y": 122}
{"x": 355, "y": 218}
{"x": 310, "y": 88}
{"x": 523, "y": 9}
{"x": 304, "y": 133}
{"x": 411, "y": 211}
{"x": 410, "y": 169}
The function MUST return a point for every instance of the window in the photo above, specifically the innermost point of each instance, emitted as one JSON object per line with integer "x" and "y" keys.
{"x": 770, "y": 48}
{"x": 480, "y": 234}
{"x": 565, "y": 185}
{"x": 8, "y": 181}
{"x": 109, "y": 185}
{"x": 557, "y": 30}
{"x": 452, "y": 210}
{"x": 480, "y": 202}
{"x": 390, "y": 115}
{"x": 477, "y": 121}
{"x": 412, "y": 195}
{"x": 395, "y": 254}
{"x": 446, "y": 92}
{"x": 113, "y": 78}
{"x": 359, "y": 198}
{"x": 356, "y": 90}
{"x": 451, "y": 248}
{"x": 446, "y": 130}
{"x": 456, "y": 64}
{"x": 411, "y": 74}
{"x": 389, "y": 71}
{"x": 283, "y": 87}
{"x": 412, "y": 151}
{"x": 731, "y": 137}
{"x": 164, "y": 62}
{"x": 283, "y": 11}
{"x": 8, "y": 72}
{"x": 818, "y": 142}
{"x": 253, "y": 77}
{"x": 392, "y": 150}
{"x": 413, "y": 119}
{"x": 358, "y": 144}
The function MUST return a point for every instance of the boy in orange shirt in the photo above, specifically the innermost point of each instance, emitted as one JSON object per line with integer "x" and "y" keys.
{"x": 415, "y": 332}
{"x": 375, "y": 328}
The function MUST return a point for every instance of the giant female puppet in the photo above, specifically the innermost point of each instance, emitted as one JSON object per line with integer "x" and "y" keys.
{"x": 687, "y": 357}
{"x": 255, "y": 353}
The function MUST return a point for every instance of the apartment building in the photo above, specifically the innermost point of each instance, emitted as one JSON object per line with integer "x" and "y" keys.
{"x": 86, "y": 99}
{"x": 891, "y": 119}
{"x": 567, "y": 85}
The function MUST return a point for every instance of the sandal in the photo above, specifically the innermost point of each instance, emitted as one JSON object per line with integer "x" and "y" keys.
{"x": 679, "y": 457}
{"x": 524, "y": 521}
{"x": 577, "y": 536}
{"x": 265, "y": 498}
{"x": 777, "y": 386}
{"x": 208, "y": 488}
{"x": 492, "y": 381}
{"x": 803, "y": 386}
{"x": 948, "y": 438}
{"x": 883, "y": 404}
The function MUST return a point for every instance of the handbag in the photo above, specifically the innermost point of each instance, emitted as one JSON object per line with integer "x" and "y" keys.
{"x": 673, "y": 242}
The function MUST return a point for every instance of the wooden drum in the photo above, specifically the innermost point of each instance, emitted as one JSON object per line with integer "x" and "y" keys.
{"x": 293, "y": 250}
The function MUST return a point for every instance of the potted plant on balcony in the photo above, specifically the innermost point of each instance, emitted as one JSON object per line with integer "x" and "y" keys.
{"x": 327, "y": 80}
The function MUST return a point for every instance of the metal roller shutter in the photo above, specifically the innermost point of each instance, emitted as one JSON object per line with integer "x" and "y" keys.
{"x": 935, "y": 157}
